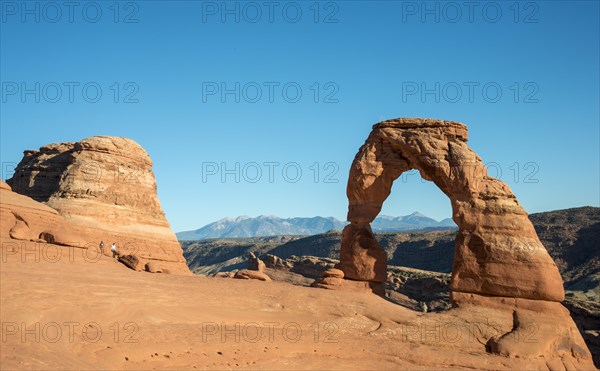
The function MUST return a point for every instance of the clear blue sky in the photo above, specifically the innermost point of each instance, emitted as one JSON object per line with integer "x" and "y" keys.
{"x": 373, "y": 55}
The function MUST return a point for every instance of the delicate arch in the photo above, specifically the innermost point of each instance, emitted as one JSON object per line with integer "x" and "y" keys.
{"x": 497, "y": 249}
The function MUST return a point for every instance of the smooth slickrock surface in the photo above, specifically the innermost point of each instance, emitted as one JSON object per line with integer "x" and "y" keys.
{"x": 104, "y": 187}
{"x": 25, "y": 219}
{"x": 127, "y": 320}
{"x": 247, "y": 274}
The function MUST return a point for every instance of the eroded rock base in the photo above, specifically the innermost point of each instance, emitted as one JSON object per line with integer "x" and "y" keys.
{"x": 524, "y": 328}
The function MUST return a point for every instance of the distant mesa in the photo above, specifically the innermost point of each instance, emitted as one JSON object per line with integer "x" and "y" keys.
{"x": 104, "y": 188}
{"x": 268, "y": 225}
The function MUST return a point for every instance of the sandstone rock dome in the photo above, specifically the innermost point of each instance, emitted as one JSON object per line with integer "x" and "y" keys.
{"x": 104, "y": 186}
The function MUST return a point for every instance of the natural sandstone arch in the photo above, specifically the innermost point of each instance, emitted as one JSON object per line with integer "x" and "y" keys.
{"x": 497, "y": 249}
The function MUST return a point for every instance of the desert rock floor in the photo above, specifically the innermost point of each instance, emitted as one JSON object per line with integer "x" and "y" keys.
{"x": 60, "y": 310}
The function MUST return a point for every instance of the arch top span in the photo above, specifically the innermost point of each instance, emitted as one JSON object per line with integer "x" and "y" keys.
{"x": 450, "y": 127}
{"x": 497, "y": 250}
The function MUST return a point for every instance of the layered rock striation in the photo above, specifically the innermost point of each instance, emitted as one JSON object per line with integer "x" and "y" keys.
{"x": 105, "y": 188}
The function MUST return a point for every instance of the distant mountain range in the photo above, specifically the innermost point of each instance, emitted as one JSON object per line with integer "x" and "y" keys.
{"x": 414, "y": 221}
{"x": 269, "y": 225}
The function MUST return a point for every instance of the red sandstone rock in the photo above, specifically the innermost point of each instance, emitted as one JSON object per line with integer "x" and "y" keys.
{"x": 527, "y": 328}
{"x": 334, "y": 272}
{"x": 152, "y": 267}
{"x": 224, "y": 275}
{"x": 502, "y": 273}
{"x": 22, "y": 218}
{"x": 247, "y": 274}
{"x": 497, "y": 249}
{"x": 362, "y": 258}
{"x": 254, "y": 263}
{"x": 105, "y": 188}
{"x": 336, "y": 283}
{"x": 4, "y": 186}
{"x": 131, "y": 261}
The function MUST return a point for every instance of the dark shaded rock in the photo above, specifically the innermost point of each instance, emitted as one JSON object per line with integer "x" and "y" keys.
{"x": 131, "y": 261}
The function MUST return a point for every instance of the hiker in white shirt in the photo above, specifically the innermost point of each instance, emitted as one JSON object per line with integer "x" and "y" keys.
{"x": 113, "y": 248}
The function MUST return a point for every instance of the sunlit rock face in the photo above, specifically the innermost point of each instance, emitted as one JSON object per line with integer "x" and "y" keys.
{"x": 497, "y": 249}
{"x": 104, "y": 186}
{"x": 501, "y": 270}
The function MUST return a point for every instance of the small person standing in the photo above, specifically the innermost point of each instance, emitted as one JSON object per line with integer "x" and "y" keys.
{"x": 102, "y": 247}
{"x": 113, "y": 248}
